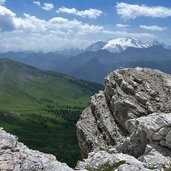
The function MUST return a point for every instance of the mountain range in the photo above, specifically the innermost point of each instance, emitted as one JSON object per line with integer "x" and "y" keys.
{"x": 100, "y": 58}
{"x": 45, "y": 61}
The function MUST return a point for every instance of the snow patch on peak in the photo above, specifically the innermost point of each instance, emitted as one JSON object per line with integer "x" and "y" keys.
{"x": 120, "y": 44}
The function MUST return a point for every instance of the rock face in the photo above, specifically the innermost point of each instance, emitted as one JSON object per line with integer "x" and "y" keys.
{"x": 127, "y": 127}
{"x": 14, "y": 156}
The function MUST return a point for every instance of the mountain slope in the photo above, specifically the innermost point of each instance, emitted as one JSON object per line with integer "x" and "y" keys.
{"x": 36, "y": 86}
{"x": 41, "y": 108}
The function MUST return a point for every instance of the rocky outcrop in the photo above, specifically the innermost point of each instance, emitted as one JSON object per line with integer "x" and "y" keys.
{"x": 128, "y": 125}
{"x": 14, "y": 156}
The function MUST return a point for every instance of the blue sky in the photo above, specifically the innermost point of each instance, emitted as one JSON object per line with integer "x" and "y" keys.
{"x": 51, "y": 25}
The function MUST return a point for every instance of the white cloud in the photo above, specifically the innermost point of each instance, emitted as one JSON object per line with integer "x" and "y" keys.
{"x": 76, "y": 26}
{"x": 45, "y": 6}
{"x": 7, "y": 17}
{"x": 130, "y": 11}
{"x": 48, "y": 6}
{"x": 153, "y": 28}
{"x": 122, "y": 25}
{"x": 54, "y": 40}
{"x": 31, "y": 33}
{"x": 30, "y": 23}
{"x": 91, "y": 13}
{"x": 138, "y": 35}
{"x": 2, "y": 2}
{"x": 37, "y": 3}
{"x": 9, "y": 21}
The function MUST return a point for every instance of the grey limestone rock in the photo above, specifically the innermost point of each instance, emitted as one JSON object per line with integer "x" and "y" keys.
{"x": 131, "y": 118}
{"x": 15, "y": 156}
{"x": 103, "y": 159}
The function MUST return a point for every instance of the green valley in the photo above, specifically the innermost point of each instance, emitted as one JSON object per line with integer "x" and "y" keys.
{"x": 42, "y": 107}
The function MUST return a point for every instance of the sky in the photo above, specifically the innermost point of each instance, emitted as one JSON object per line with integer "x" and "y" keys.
{"x": 52, "y": 25}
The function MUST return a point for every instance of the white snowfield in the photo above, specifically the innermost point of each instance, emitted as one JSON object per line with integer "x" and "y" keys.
{"x": 120, "y": 44}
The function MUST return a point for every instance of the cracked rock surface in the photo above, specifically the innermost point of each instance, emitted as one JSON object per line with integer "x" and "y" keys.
{"x": 128, "y": 125}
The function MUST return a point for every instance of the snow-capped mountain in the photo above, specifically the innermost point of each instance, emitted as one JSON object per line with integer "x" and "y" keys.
{"x": 119, "y": 44}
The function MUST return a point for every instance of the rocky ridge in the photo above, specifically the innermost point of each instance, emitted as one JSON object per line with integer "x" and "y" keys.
{"x": 127, "y": 127}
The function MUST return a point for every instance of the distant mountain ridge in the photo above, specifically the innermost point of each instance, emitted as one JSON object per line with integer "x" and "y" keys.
{"x": 95, "y": 65}
{"x": 41, "y": 60}
{"x": 45, "y": 61}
